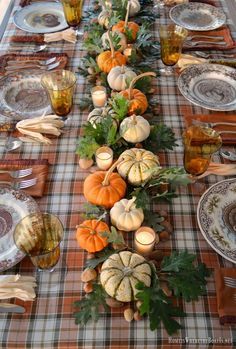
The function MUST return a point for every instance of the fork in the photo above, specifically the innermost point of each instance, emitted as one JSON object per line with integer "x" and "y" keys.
{"x": 18, "y": 173}
{"x": 20, "y": 185}
{"x": 31, "y": 61}
{"x": 213, "y": 124}
{"x": 196, "y": 43}
{"x": 230, "y": 282}
{"x": 205, "y": 36}
{"x": 17, "y": 67}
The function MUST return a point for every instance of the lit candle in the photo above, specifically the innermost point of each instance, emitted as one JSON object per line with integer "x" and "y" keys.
{"x": 128, "y": 51}
{"x": 144, "y": 240}
{"x": 104, "y": 158}
{"x": 99, "y": 96}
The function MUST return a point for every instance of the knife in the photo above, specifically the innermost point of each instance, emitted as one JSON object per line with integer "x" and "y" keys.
{"x": 228, "y": 62}
{"x": 11, "y": 308}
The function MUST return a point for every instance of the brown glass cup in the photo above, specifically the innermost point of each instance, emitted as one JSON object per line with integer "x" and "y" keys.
{"x": 60, "y": 86}
{"x": 72, "y": 11}
{"x": 38, "y": 235}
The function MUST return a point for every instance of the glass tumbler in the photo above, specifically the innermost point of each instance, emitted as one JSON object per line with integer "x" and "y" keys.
{"x": 60, "y": 86}
{"x": 72, "y": 11}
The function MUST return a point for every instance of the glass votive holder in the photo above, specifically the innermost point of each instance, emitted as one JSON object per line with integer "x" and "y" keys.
{"x": 60, "y": 86}
{"x": 144, "y": 240}
{"x": 99, "y": 96}
{"x": 104, "y": 158}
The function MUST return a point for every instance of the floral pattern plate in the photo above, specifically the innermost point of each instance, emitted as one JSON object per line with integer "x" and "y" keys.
{"x": 22, "y": 95}
{"x": 197, "y": 16}
{"x": 216, "y": 216}
{"x": 212, "y": 86}
{"x": 14, "y": 205}
{"x": 41, "y": 17}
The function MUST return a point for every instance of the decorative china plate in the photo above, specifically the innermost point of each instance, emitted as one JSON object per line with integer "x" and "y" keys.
{"x": 22, "y": 95}
{"x": 216, "y": 216}
{"x": 212, "y": 86}
{"x": 197, "y": 16}
{"x": 41, "y": 17}
{"x": 14, "y": 205}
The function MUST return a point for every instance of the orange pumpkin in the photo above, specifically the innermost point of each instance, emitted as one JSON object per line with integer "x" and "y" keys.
{"x": 89, "y": 236}
{"x": 110, "y": 59}
{"x": 104, "y": 188}
{"x": 125, "y": 26}
{"x": 137, "y": 100}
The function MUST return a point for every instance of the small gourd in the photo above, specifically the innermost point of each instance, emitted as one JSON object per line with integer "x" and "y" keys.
{"x": 124, "y": 26}
{"x": 137, "y": 100}
{"x": 134, "y": 7}
{"x": 126, "y": 216}
{"x": 135, "y": 129}
{"x": 98, "y": 114}
{"x": 104, "y": 17}
{"x": 118, "y": 77}
{"x": 116, "y": 34}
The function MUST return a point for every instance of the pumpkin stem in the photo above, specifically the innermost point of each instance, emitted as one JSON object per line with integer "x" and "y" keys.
{"x": 136, "y": 79}
{"x": 134, "y": 119}
{"x": 122, "y": 69}
{"x": 110, "y": 43}
{"x": 127, "y": 15}
{"x": 130, "y": 203}
{"x": 109, "y": 172}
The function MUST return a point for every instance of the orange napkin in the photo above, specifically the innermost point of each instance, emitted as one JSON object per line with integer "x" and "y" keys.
{"x": 40, "y": 171}
{"x": 225, "y": 301}
{"x": 223, "y": 31}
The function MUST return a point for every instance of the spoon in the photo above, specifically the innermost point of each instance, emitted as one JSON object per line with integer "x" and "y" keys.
{"x": 206, "y": 55}
{"x": 11, "y": 144}
{"x": 229, "y": 155}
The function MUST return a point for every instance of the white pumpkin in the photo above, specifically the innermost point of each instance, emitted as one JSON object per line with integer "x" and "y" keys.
{"x": 136, "y": 165}
{"x": 115, "y": 33}
{"x": 103, "y": 18}
{"x": 134, "y": 7}
{"x": 97, "y": 114}
{"x": 126, "y": 216}
{"x": 135, "y": 129}
{"x": 121, "y": 272}
{"x": 118, "y": 77}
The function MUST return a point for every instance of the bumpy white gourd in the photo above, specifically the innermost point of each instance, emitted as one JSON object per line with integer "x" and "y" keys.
{"x": 135, "y": 129}
{"x": 118, "y": 77}
{"x": 134, "y": 7}
{"x": 103, "y": 18}
{"x": 115, "y": 33}
{"x": 97, "y": 114}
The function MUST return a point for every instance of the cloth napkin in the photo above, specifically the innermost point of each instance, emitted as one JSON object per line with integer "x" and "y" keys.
{"x": 220, "y": 170}
{"x": 186, "y": 60}
{"x": 17, "y": 286}
{"x": 67, "y": 35}
{"x": 225, "y": 301}
{"x": 40, "y": 171}
{"x": 33, "y": 129}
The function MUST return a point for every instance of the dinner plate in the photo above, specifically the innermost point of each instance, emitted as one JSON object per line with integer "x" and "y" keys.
{"x": 22, "y": 95}
{"x": 14, "y": 205}
{"x": 212, "y": 86}
{"x": 41, "y": 17}
{"x": 197, "y": 16}
{"x": 216, "y": 216}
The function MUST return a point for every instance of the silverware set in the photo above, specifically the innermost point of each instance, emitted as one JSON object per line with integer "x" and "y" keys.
{"x": 47, "y": 64}
{"x": 18, "y": 174}
{"x": 214, "y": 124}
{"x": 216, "y": 40}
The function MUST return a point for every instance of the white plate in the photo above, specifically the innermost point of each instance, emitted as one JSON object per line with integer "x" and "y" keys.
{"x": 216, "y": 216}
{"x": 212, "y": 86}
{"x": 14, "y": 205}
{"x": 197, "y": 16}
{"x": 41, "y": 17}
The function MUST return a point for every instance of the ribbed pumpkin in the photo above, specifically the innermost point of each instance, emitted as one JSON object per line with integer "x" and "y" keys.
{"x": 114, "y": 34}
{"x": 97, "y": 114}
{"x": 118, "y": 76}
{"x": 121, "y": 272}
{"x": 134, "y": 7}
{"x": 135, "y": 129}
{"x": 126, "y": 216}
{"x": 104, "y": 188}
{"x": 124, "y": 26}
{"x": 137, "y": 100}
{"x": 136, "y": 165}
{"x": 103, "y": 18}
{"x": 110, "y": 59}
{"x": 89, "y": 236}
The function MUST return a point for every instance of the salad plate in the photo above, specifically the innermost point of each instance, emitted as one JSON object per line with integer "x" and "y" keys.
{"x": 216, "y": 216}
{"x": 197, "y": 16}
{"x": 14, "y": 205}
{"x": 212, "y": 86}
{"x": 41, "y": 17}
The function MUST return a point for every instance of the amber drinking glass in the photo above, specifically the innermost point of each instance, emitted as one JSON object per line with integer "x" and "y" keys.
{"x": 72, "y": 11}
{"x": 60, "y": 86}
{"x": 171, "y": 39}
{"x": 38, "y": 235}
{"x": 200, "y": 143}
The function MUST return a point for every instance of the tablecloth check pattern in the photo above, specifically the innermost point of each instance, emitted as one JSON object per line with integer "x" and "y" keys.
{"x": 48, "y": 322}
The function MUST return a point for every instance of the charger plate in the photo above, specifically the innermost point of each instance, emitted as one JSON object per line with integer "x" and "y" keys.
{"x": 41, "y": 17}
{"x": 212, "y": 86}
{"x": 14, "y": 205}
{"x": 216, "y": 216}
{"x": 197, "y": 16}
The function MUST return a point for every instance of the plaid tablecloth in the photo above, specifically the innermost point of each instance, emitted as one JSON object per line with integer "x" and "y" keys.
{"x": 48, "y": 321}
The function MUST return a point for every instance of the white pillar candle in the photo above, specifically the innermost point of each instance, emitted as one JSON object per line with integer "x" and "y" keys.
{"x": 99, "y": 96}
{"x": 144, "y": 240}
{"x": 104, "y": 158}
{"x": 128, "y": 51}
